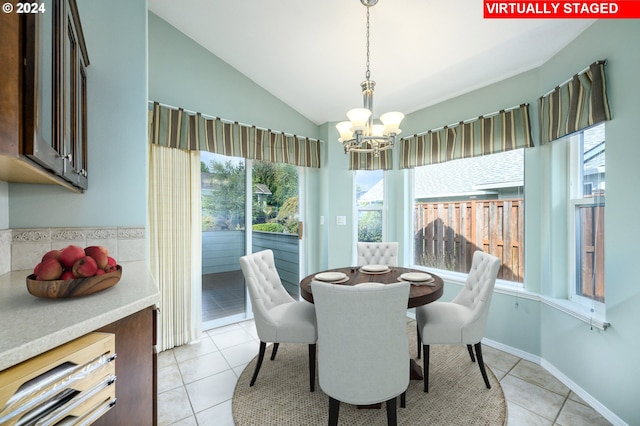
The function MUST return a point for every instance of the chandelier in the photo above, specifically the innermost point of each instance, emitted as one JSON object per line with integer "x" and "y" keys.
{"x": 359, "y": 134}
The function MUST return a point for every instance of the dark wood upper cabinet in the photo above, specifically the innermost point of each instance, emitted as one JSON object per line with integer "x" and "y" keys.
{"x": 44, "y": 138}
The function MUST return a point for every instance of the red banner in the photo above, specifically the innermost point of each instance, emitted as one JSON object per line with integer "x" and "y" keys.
{"x": 623, "y": 9}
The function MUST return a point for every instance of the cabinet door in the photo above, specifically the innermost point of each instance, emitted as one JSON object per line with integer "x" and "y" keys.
{"x": 74, "y": 106}
{"x": 55, "y": 111}
{"x": 41, "y": 91}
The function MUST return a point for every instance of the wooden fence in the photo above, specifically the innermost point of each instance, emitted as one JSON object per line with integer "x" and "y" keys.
{"x": 447, "y": 234}
{"x": 591, "y": 248}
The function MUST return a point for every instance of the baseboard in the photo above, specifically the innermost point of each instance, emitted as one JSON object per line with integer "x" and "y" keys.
{"x": 599, "y": 407}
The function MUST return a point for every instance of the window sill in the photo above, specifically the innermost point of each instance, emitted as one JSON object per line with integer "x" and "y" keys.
{"x": 514, "y": 289}
{"x": 577, "y": 311}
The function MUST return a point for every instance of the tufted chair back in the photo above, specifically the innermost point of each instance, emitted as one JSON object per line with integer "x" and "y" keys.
{"x": 265, "y": 289}
{"x": 378, "y": 254}
{"x": 362, "y": 343}
{"x": 279, "y": 318}
{"x": 476, "y": 295}
{"x": 462, "y": 320}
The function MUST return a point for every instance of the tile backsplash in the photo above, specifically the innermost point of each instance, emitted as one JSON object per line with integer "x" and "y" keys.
{"x": 23, "y": 248}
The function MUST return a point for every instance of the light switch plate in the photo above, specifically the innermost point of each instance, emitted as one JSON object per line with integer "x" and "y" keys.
{"x": 341, "y": 220}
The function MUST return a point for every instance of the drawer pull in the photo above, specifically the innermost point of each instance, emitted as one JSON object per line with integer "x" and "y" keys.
{"x": 64, "y": 410}
{"x": 47, "y": 386}
{"x": 90, "y": 417}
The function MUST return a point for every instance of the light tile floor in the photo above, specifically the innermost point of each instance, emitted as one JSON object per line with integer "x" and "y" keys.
{"x": 196, "y": 383}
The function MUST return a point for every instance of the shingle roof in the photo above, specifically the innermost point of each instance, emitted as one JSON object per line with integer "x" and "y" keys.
{"x": 476, "y": 175}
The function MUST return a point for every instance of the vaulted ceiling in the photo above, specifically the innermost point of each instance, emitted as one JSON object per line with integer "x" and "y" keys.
{"x": 312, "y": 55}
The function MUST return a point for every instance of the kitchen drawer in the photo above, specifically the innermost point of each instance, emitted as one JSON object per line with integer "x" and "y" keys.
{"x": 71, "y": 384}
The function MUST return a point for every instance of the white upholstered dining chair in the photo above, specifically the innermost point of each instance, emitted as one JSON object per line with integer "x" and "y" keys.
{"x": 363, "y": 355}
{"x": 279, "y": 318}
{"x": 377, "y": 254}
{"x": 463, "y": 320}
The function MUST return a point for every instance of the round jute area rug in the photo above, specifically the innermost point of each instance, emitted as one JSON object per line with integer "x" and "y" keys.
{"x": 457, "y": 394}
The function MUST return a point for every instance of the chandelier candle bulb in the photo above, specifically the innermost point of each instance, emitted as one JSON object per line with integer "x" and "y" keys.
{"x": 359, "y": 118}
{"x": 344, "y": 127}
{"x": 377, "y": 130}
{"x": 391, "y": 121}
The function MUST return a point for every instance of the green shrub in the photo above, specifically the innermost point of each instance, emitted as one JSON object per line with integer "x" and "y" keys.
{"x": 268, "y": 227}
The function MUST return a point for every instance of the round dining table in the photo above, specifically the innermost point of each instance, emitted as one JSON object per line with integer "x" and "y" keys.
{"x": 419, "y": 293}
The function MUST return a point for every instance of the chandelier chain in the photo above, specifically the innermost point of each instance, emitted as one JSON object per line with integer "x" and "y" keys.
{"x": 368, "y": 73}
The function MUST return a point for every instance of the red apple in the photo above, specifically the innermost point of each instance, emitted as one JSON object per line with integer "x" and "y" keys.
{"x": 50, "y": 269}
{"x": 112, "y": 265}
{"x": 85, "y": 267}
{"x": 99, "y": 254}
{"x": 100, "y": 272}
{"x": 70, "y": 254}
{"x": 51, "y": 254}
{"x": 67, "y": 275}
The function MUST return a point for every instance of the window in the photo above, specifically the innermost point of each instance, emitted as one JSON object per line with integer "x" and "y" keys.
{"x": 586, "y": 216}
{"x": 471, "y": 204}
{"x": 369, "y": 205}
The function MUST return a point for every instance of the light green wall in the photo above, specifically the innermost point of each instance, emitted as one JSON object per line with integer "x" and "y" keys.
{"x": 611, "y": 367}
{"x": 184, "y": 74}
{"x": 116, "y": 34}
{"x": 4, "y": 205}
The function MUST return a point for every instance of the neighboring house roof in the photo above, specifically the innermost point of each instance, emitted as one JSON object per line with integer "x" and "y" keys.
{"x": 261, "y": 188}
{"x": 594, "y": 150}
{"x": 467, "y": 176}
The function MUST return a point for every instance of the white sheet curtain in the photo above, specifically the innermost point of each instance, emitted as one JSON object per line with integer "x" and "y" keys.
{"x": 175, "y": 242}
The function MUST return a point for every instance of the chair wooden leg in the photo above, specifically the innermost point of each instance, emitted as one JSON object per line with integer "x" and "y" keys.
{"x": 274, "y": 351}
{"x": 473, "y": 358}
{"x": 425, "y": 367}
{"x": 334, "y": 408}
{"x": 418, "y": 339}
{"x": 312, "y": 367}
{"x": 392, "y": 419}
{"x": 403, "y": 399}
{"x": 478, "y": 347}
{"x": 263, "y": 347}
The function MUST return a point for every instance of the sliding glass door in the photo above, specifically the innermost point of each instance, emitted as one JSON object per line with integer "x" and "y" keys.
{"x": 247, "y": 206}
{"x": 274, "y": 221}
{"x": 223, "y": 238}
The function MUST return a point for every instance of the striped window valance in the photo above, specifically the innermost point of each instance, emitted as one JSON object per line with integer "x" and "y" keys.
{"x": 575, "y": 105}
{"x": 176, "y": 128}
{"x": 502, "y": 131}
{"x": 367, "y": 161}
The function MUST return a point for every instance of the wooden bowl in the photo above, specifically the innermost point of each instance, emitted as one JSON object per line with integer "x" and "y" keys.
{"x": 58, "y": 289}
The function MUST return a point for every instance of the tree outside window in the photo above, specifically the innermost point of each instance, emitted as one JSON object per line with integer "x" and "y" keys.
{"x": 369, "y": 204}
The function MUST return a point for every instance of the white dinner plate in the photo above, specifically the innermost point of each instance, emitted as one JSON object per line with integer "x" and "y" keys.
{"x": 330, "y": 276}
{"x": 375, "y": 268}
{"x": 416, "y": 276}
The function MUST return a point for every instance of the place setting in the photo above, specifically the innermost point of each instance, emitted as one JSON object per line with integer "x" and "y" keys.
{"x": 417, "y": 278}
{"x": 375, "y": 269}
{"x": 333, "y": 277}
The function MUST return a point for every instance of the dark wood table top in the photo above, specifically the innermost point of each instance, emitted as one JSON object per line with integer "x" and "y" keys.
{"x": 418, "y": 294}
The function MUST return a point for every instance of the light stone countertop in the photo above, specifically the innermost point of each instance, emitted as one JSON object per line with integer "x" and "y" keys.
{"x": 30, "y": 325}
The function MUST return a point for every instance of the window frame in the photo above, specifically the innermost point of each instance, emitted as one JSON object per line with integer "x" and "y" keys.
{"x": 357, "y": 209}
{"x": 576, "y": 201}
{"x": 458, "y": 276}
